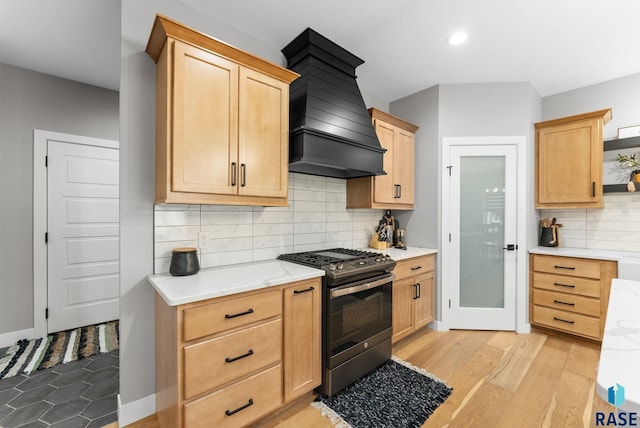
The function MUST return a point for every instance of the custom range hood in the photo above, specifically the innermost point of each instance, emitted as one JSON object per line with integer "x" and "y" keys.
{"x": 331, "y": 133}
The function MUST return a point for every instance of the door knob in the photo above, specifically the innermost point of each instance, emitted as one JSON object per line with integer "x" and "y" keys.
{"x": 510, "y": 247}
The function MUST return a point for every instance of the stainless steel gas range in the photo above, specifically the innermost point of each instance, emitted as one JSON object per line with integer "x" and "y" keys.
{"x": 356, "y": 322}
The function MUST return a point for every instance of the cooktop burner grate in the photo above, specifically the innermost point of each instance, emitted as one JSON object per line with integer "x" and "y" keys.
{"x": 323, "y": 258}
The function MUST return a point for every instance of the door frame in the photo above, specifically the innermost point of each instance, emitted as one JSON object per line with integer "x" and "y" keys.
{"x": 40, "y": 216}
{"x": 520, "y": 142}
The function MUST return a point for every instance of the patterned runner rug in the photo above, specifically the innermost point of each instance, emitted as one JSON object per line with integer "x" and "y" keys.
{"x": 396, "y": 394}
{"x": 28, "y": 356}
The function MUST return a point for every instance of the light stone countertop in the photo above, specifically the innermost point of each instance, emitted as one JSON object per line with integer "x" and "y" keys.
{"x": 620, "y": 351}
{"x": 226, "y": 280}
{"x": 398, "y": 254}
{"x": 587, "y": 253}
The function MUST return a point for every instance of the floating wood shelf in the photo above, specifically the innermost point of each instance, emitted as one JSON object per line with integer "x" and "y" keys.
{"x": 612, "y": 188}
{"x": 622, "y": 143}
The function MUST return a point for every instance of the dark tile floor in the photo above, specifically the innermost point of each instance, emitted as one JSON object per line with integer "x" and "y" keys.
{"x": 78, "y": 394}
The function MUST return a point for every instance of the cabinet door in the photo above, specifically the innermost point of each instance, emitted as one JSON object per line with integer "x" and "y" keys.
{"x": 570, "y": 164}
{"x": 302, "y": 340}
{"x": 403, "y": 166}
{"x": 204, "y": 146}
{"x": 384, "y": 189}
{"x": 263, "y": 135}
{"x": 402, "y": 315}
{"x": 424, "y": 303}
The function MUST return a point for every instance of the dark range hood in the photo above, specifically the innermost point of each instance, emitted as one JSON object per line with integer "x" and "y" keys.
{"x": 331, "y": 133}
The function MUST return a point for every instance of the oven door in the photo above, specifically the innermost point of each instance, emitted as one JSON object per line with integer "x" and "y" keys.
{"x": 358, "y": 317}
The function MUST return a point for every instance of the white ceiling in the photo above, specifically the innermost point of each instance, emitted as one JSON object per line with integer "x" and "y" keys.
{"x": 557, "y": 45}
{"x": 74, "y": 39}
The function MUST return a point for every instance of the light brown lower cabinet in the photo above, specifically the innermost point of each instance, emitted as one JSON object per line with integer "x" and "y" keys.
{"x": 570, "y": 294}
{"x": 413, "y": 295}
{"x": 229, "y": 361}
{"x": 302, "y": 339}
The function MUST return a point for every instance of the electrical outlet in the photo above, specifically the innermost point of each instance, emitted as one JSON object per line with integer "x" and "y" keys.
{"x": 202, "y": 238}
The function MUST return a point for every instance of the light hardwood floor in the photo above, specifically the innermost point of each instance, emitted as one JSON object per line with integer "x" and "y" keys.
{"x": 499, "y": 379}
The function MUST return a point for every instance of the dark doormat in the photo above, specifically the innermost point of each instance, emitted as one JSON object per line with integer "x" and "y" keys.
{"x": 396, "y": 394}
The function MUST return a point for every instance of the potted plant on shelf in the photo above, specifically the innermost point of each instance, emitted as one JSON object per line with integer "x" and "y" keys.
{"x": 631, "y": 161}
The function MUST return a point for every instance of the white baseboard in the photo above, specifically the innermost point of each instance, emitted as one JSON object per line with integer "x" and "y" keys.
{"x": 136, "y": 410}
{"x": 526, "y": 328}
{"x": 437, "y": 326}
{"x": 10, "y": 338}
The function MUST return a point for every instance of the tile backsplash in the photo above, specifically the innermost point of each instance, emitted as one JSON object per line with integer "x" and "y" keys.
{"x": 316, "y": 218}
{"x": 614, "y": 227}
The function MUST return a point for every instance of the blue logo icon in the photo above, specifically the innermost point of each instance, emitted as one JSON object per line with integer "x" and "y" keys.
{"x": 616, "y": 395}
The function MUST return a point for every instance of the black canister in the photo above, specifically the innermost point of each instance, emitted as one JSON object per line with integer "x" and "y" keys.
{"x": 184, "y": 261}
{"x": 548, "y": 237}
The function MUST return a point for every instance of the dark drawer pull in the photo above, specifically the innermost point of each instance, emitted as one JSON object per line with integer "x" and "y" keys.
{"x": 234, "y": 173}
{"x": 231, "y": 360}
{"x": 563, "y": 303}
{"x": 564, "y": 267}
{"x": 231, "y": 412}
{"x": 416, "y": 268}
{"x": 228, "y": 316}
{"x": 303, "y": 291}
{"x": 561, "y": 320}
{"x": 243, "y": 178}
{"x": 564, "y": 285}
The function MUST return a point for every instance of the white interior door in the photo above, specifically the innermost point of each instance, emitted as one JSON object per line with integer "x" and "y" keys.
{"x": 482, "y": 205}
{"x": 83, "y": 235}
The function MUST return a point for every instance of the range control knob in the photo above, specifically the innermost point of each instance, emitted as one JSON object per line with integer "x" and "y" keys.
{"x": 340, "y": 266}
{"x": 331, "y": 267}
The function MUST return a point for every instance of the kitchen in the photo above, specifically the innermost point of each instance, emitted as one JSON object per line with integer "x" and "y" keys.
{"x": 476, "y": 107}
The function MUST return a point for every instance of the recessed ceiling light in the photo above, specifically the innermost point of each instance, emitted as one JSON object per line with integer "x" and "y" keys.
{"x": 457, "y": 38}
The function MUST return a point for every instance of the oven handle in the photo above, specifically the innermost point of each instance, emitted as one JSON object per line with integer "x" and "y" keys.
{"x": 346, "y": 290}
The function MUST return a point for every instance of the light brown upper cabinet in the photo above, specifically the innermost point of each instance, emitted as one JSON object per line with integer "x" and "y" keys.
{"x": 569, "y": 161}
{"x": 222, "y": 121}
{"x": 394, "y": 190}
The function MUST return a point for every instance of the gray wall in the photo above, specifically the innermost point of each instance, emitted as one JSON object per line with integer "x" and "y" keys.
{"x": 422, "y": 109}
{"x": 28, "y": 101}
{"x": 621, "y": 95}
{"x": 474, "y": 110}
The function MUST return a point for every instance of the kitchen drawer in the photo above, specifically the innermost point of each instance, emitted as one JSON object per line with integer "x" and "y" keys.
{"x": 414, "y": 266}
{"x": 263, "y": 391}
{"x": 567, "y": 266}
{"x": 567, "y": 321}
{"x": 214, "y": 362}
{"x": 567, "y": 302}
{"x": 219, "y": 316}
{"x": 567, "y": 284}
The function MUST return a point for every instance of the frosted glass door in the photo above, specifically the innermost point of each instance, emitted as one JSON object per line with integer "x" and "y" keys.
{"x": 483, "y": 206}
{"x": 482, "y": 189}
